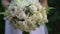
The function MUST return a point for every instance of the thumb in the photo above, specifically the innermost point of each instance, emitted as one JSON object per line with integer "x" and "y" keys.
{"x": 4, "y": 3}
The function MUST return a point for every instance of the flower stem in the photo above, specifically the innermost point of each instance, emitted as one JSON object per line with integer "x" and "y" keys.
{"x": 24, "y": 32}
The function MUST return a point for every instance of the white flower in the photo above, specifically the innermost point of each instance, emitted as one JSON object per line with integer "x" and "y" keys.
{"x": 21, "y": 15}
{"x": 33, "y": 8}
{"x": 13, "y": 11}
{"x": 39, "y": 6}
{"x": 40, "y": 15}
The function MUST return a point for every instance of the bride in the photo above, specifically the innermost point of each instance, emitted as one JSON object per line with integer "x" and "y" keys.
{"x": 10, "y": 30}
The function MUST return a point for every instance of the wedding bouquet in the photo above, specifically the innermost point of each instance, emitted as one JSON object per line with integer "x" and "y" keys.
{"x": 26, "y": 15}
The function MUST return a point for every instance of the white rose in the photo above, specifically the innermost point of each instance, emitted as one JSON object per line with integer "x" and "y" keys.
{"x": 40, "y": 17}
{"x": 13, "y": 11}
{"x": 21, "y": 15}
{"x": 33, "y": 8}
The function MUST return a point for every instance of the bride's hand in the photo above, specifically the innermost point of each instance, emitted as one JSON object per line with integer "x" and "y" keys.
{"x": 44, "y": 3}
{"x": 5, "y": 3}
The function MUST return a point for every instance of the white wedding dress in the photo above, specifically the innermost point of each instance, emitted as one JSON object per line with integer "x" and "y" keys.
{"x": 10, "y": 30}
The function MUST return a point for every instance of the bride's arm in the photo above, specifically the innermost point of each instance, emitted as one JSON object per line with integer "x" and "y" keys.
{"x": 5, "y": 3}
{"x": 44, "y": 3}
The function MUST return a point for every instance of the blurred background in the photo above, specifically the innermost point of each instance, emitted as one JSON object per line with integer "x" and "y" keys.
{"x": 53, "y": 16}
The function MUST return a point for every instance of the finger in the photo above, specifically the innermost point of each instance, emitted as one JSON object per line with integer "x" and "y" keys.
{"x": 44, "y": 3}
{"x": 5, "y": 3}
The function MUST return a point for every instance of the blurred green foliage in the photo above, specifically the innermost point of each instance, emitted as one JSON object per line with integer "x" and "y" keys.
{"x": 54, "y": 18}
